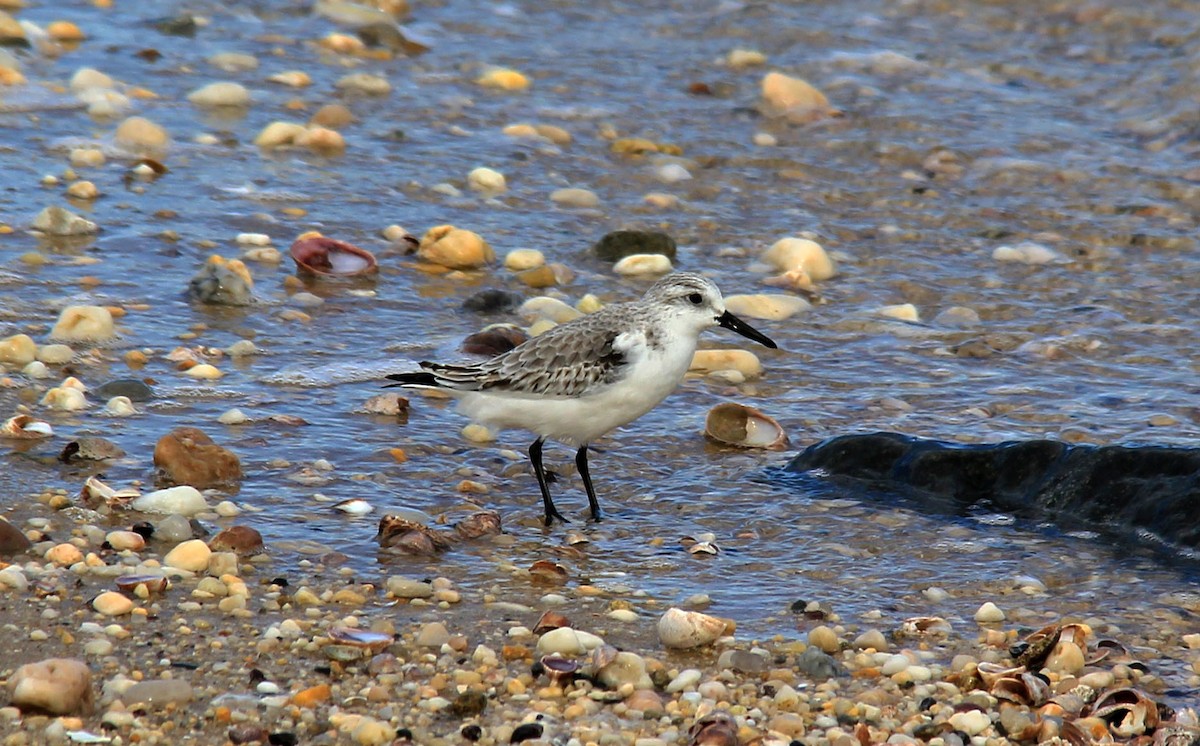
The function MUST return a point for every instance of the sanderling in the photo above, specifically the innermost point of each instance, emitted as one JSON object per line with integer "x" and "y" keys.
{"x": 580, "y": 380}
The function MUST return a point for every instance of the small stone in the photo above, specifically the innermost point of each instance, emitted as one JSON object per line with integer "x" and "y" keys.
{"x": 1066, "y": 658}
{"x": 55, "y": 354}
{"x": 58, "y": 221}
{"x": 83, "y": 324}
{"x": 364, "y": 84}
{"x": 158, "y": 693}
{"x": 293, "y": 78}
{"x": 825, "y": 639}
{"x": 901, "y": 312}
{"x": 455, "y": 248}
{"x": 65, "y": 31}
{"x": 221, "y": 281}
{"x": 243, "y": 541}
{"x": 312, "y": 696}
{"x": 795, "y": 97}
{"x": 563, "y": 640}
{"x": 192, "y": 555}
{"x": 433, "y": 635}
{"x": 279, "y": 134}
{"x": 87, "y": 77}
{"x": 189, "y": 457}
{"x": 86, "y": 158}
{"x": 638, "y": 265}
{"x": 504, "y": 79}
{"x": 85, "y": 190}
{"x": 140, "y": 135}
{"x": 575, "y": 197}
{"x": 125, "y": 541}
{"x": 12, "y": 540}
{"x": 111, "y": 603}
{"x": 711, "y": 361}
{"x": 224, "y": 93}
{"x": 617, "y": 245}
{"x": 486, "y": 180}
{"x": 739, "y": 58}
{"x": 793, "y": 253}
{"x": 58, "y": 686}
{"x": 232, "y": 62}
{"x": 183, "y": 500}
{"x": 18, "y": 350}
{"x": 519, "y": 260}
{"x": 767, "y": 306}
{"x": 173, "y": 528}
{"x": 64, "y": 554}
{"x": 402, "y": 587}
{"x": 64, "y": 399}
{"x": 971, "y": 722}
{"x": 670, "y": 173}
{"x": 989, "y": 613}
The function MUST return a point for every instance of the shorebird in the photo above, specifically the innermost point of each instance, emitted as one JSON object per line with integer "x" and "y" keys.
{"x": 582, "y": 379}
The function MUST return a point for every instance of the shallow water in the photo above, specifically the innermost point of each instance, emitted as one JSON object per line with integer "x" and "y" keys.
{"x": 1062, "y": 125}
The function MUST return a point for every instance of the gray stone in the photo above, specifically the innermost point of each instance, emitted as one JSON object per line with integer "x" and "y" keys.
{"x": 158, "y": 693}
{"x": 617, "y": 245}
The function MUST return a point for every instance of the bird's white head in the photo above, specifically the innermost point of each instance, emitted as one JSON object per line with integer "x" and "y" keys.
{"x": 695, "y": 302}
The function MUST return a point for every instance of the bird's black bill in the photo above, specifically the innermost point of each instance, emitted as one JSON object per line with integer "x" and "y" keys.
{"x": 729, "y": 321}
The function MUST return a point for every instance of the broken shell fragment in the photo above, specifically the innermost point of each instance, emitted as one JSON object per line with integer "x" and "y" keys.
{"x": 24, "y": 427}
{"x": 547, "y": 572}
{"x": 688, "y": 629}
{"x": 94, "y": 492}
{"x": 317, "y": 255}
{"x": 410, "y": 537}
{"x": 152, "y": 583}
{"x": 550, "y": 620}
{"x": 354, "y": 506}
{"x": 477, "y": 525}
{"x": 560, "y": 670}
{"x": 376, "y": 642}
{"x": 1127, "y": 711}
{"x": 718, "y": 728}
{"x": 745, "y": 427}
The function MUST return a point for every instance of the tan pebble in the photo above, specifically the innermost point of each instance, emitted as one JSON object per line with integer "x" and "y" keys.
{"x": 455, "y": 248}
{"x": 293, "y": 78}
{"x": 900, "y": 312}
{"x": 483, "y": 179}
{"x": 333, "y": 116}
{"x": 477, "y": 433}
{"x": 126, "y": 540}
{"x": 521, "y": 259}
{"x": 279, "y": 134}
{"x": 111, "y": 603}
{"x": 364, "y": 83}
{"x": 84, "y": 324}
{"x": 539, "y": 277}
{"x": 314, "y": 695}
{"x": 83, "y": 190}
{"x": 502, "y": 78}
{"x": 192, "y": 555}
{"x": 661, "y": 200}
{"x": 767, "y": 306}
{"x": 825, "y": 639}
{"x": 1066, "y": 658}
{"x": 219, "y": 94}
{"x": 64, "y": 554}
{"x": 204, "y": 371}
{"x": 322, "y": 140}
{"x": 989, "y": 613}
{"x": 65, "y": 31}
{"x": 344, "y": 44}
{"x": 141, "y": 135}
{"x": 556, "y": 135}
{"x": 86, "y": 157}
{"x": 643, "y": 264}
{"x": 574, "y": 197}
{"x": 785, "y": 93}
{"x": 19, "y": 349}
{"x": 742, "y": 361}
{"x": 793, "y": 253}
{"x": 745, "y": 58}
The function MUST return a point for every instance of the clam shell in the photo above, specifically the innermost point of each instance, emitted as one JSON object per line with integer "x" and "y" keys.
{"x": 688, "y": 629}
{"x": 23, "y": 426}
{"x": 318, "y": 255}
{"x": 745, "y": 427}
{"x": 376, "y": 642}
{"x": 153, "y": 583}
{"x": 550, "y": 620}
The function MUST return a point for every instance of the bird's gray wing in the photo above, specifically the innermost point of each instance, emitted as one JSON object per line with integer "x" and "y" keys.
{"x": 566, "y": 361}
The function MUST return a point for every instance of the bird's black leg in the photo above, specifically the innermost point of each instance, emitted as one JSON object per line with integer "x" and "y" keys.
{"x": 535, "y": 455}
{"x": 582, "y": 464}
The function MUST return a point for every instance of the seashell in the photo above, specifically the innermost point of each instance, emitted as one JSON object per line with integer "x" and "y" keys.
{"x": 602, "y": 656}
{"x": 1041, "y": 643}
{"x": 1072, "y": 734}
{"x": 1024, "y": 689}
{"x": 24, "y": 427}
{"x": 153, "y": 583}
{"x": 550, "y": 620}
{"x": 560, "y": 670}
{"x": 376, "y": 642}
{"x": 718, "y": 728}
{"x": 1176, "y": 734}
{"x": 478, "y": 524}
{"x": 548, "y": 573}
{"x": 354, "y": 506}
{"x": 1127, "y": 711}
{"x": 925, "y": 625}
{"x": 688, "y": 629}
{"x": 745, "y": 427}
{"x": 1076, "y": 632}
{"x": 317, "y": 255}
{"x": 94, "y": 491}
{"x": 410, "y": 537}
{"x": 991, "y": 673}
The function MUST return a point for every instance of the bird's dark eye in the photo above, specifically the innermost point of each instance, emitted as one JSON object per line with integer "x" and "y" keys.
{"x": 696, "y": 299}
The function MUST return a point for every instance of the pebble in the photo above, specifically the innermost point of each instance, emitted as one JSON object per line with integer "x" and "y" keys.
{"x": 182, "y": 500}
{"x": 192, "y": 555}
{"x": 792, "y": 253}
{"x": 901, "y": 312}
{"x": 111, "y": 603}
{"x": 402, "y": 587}
{"x": 125, "y": 540}
{"x": 58, "y": 686}
{"x": 1026, "y": 252}
{"x": 204, "y": 371}
{"x": 766, "y": 306}
{"x": 159, "y": 693}
{"x": 65, "y": 399}
{"x": 971, "y": 722}
{"x": 224, "y": 93}
{"x": 688, "y": 629}
{"x": 173, "y": 528}
{"x": 86, "y": 158}
{"x": 64, "y": 554}
{"x": 989, "y": 613}
{"x": 12, "y": 542}
{"x": 575, "y": 197}
{"x": 687, "y": 678}
{"x": 233, "y": 416}
{"x": 636, "y": 265}
{"x": 432, "y": 635}
{"x": 18, "y": 350}
{"x": 293, "y": 78}
{"x": 786, "y": 94}
{"x": 711, "y": 361}
{"x": 141, "y": 135}
{"x": 88, "y": 77}
{"x": 520, "y": 260}
{"x": 364, "y": 83}
{"x": 483, "y": 179}
{"x": 455, "y": 248}
{"x": 825, "y": 639}
{"x": 83, "y": 324}
{"x": 564, "y": 640}
{"x": 745, "y": 58}
{"x": 502, "y": 78}
{"x": 232, "y": 62}
{"x": 671, "y": 173}
{"x": 59, "y": 221}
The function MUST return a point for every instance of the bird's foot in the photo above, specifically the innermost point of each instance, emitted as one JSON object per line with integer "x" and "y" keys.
{"x": 553, "y": 514}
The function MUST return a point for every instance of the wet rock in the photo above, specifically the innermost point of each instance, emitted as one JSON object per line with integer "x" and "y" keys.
{"x": 688, "y": 629}
{"x": 796, "y": 98}
{"x": 456, "y": 248}
{"x": 131, "y": 388}
{"x": 492, "y": 300}
{"x": 55, "y": 354}
{"x": 180, "y": 25}
{"x": 158, "y": 693}
{"x": 502, "y": 78}
{"x": 1118, "y": 489}
{"x": 187, "y": 456}
{"x": 642, "y": 265}
{"x": 402, "y": 587}
{"x": 519, "y": 260}
{"x": 90, "y": 448}
{"x": 243, "y": 541}
{"x": 59, "y": 221}
{"x": 575, "y": 197}
{"x": 142, "y": 136}
{"x": 817, "y": 664}
{"x": 111, "y": 603}
{"x": 174, "y": 528}
{"x": 793, "y": 253}
{"x": 221, "y": 281}
{"x": 18, "y": 350}
{"x": 433, "y": 635}
{"x": 625, "y": 668}
{"x": 617, "y": 245}
{"x": 65, "y": 399}
{"x": 12, "y": 540}
{"x": 183, "y": 500}
{"x": 56, "y": 686}
{"x": 192, "y": 555}
{"x": 767, "y": 306}
{"x": 83, "y": 324}
{"x": 487, "y": 180}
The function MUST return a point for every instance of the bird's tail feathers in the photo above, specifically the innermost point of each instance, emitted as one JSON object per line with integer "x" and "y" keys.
{"x": 419, "y": 378}
{"x": 439, "y": 376}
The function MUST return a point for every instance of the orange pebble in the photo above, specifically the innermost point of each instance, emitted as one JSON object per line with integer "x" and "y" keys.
{"x": 398, "y": 454}
{"x": 311, "y": 696}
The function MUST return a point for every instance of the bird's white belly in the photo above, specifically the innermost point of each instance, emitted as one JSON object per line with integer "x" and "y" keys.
{"x": 575, "y": 421}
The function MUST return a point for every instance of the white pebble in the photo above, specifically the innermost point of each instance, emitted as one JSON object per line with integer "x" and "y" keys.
{"x": 989, "y": 613}
{"x": 901, "y": 312}
{"x": 120, "y": 406}
{"x": 220, "y": 94}
{"x": 671, "y": 173}
{"x": 253, "y": 239}
{"x": 521, "y": 259}
{"x": 233, "y": 417}
{"x": 643, "y": 264}
{"x": 486, "y": 180}
{"x": 203, "y": 371}
{"x": 574, "y": 197}
{"x": 1026, "y": 252}
{"x": 765, "y": 140}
